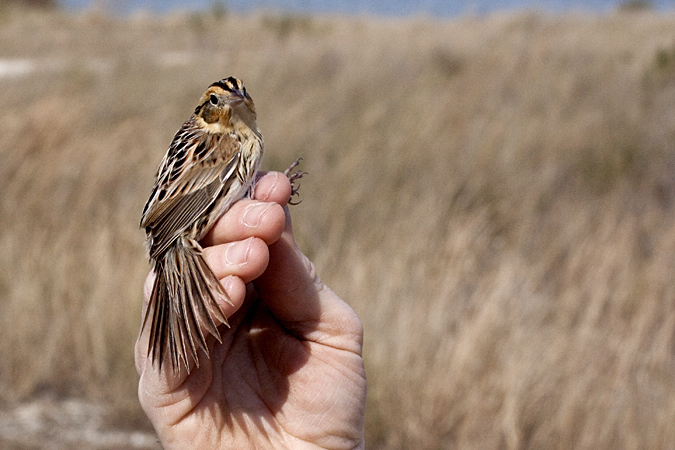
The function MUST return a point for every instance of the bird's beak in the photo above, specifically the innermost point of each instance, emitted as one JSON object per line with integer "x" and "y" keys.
{"x": 237, "y": 98}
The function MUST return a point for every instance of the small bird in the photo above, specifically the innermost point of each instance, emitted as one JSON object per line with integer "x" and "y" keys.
{"x": 211, "y": 163}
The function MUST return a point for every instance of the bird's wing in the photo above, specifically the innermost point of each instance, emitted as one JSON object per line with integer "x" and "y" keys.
{"x": 192, "y": 174}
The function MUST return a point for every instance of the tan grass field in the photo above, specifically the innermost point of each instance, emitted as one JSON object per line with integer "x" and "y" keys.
{"x": 495, "y": 196}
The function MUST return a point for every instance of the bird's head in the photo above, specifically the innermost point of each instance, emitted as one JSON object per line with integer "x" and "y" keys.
{"x": 226, "y": 107}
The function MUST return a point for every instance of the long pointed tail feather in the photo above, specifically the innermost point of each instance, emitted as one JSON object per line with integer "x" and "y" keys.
{"x": 183, "y": 303}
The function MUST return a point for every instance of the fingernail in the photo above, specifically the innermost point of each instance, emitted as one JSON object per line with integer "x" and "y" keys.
{"x": 237, "y": 252}
{"x": 259, "y": 196}
{"x": 274, "y": 185}
{"x": 228, "y": 283}
{"x": 254, "y": 212}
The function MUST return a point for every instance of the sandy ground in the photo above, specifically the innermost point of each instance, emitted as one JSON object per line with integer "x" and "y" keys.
{"x": 65, "y": 424}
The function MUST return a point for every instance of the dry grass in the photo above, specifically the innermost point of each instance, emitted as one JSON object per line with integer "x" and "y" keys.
{"x": 494, "y": 195}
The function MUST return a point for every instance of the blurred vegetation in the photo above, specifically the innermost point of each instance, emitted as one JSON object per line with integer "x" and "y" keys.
{"x": 7, "y": 6}
{"x": 636, "y": 5}
{"x": 494, "y": 196}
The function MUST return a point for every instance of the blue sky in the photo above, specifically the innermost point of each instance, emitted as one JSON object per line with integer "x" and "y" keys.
{"x": 392, "y": 7}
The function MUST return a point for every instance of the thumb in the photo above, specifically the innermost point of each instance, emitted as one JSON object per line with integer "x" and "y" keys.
{"x": 297, "y": 297}
{"x": 289, "y": 285}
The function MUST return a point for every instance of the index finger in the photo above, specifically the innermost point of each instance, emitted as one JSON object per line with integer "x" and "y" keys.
{"x": 261, "y": 217}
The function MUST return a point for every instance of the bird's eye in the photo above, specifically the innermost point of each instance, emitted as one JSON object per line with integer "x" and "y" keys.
{"x": 214, "y": 100}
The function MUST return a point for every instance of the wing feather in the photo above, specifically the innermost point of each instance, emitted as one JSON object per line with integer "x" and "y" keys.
{"x": 183, "y": 192}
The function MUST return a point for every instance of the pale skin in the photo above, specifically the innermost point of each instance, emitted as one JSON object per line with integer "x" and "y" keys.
{"x": 289, "y": 373}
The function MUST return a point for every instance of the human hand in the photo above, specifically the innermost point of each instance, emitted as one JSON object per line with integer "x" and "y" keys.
{"x": 289, "y": 372}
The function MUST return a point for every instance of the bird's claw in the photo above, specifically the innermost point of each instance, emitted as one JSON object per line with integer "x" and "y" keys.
{"x": 293, "y": 177}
